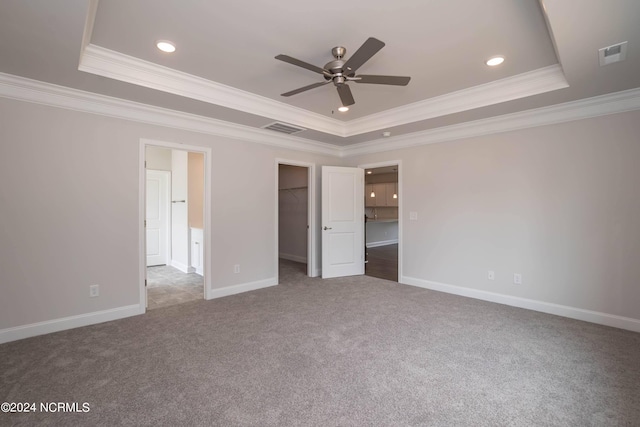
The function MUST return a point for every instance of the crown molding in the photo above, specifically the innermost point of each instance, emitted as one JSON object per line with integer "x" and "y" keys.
{"x": 88, "y": 25}
{"x": 23, "y": 89}
{"x": 108, "y": 63}
{"x": 618, "y": 102}
{"x": 520, "y": 86}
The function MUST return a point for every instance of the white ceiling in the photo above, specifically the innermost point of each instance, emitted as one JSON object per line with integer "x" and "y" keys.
{"x": 224, "y": 66}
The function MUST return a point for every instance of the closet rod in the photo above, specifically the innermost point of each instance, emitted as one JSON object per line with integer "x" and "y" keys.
{"x": 292, "y": 188}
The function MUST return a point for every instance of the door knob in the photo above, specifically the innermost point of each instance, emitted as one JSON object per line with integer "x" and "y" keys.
{"x": 327, "y": 228}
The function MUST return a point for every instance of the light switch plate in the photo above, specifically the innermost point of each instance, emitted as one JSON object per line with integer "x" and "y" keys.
{"x": 413, "y": 216}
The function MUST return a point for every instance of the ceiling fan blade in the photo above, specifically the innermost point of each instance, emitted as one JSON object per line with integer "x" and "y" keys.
{"x": 302, "y": 89}
{"x": 362, "y": 55}
{"x": 345, "y": 95}
{"x": 382, "y": 80}
{"x": 294, "y": 61}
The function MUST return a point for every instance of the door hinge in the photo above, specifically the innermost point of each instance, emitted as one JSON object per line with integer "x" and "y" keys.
{"x": 145, "y": 283}
{"x": 145, "y": 163}
{"x": 145, "y": 222}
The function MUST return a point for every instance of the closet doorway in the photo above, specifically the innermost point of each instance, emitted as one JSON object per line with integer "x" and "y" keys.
{"x": 295, "y": 216}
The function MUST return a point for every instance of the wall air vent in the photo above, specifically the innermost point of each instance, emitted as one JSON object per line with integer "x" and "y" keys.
{"x": 611, "y": 54}
{"x": 283, "y": 128}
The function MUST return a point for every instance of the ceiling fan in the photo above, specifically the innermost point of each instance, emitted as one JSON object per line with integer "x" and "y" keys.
{"x": 340, "y": 71}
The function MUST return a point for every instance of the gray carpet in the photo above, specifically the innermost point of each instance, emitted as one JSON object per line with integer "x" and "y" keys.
{"x": 341, "y": 352}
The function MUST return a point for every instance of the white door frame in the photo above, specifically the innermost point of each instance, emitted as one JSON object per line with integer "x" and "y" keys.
{"x": 142, "y": 262}
{"x": 400, "y": 203}
{"x": 312, "y": 270}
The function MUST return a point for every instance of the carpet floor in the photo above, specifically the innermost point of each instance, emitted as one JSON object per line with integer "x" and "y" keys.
{"x": 167, "y": 286}
{"x": 356, "y": 351}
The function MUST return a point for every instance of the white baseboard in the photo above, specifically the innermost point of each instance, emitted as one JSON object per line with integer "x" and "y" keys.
{"x": 382, "y": 243}
{"x": 243, "y": 287}
{"x": 544, "y": 307}
{"x": 199, "y": 271}
{"x": 56, "y": 325}
{"x": 295, "y": 258}
{"x": 182, "y": 267}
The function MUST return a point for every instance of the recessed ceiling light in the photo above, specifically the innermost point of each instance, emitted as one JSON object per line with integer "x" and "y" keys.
{"x": 496, "y": 60}
{"x": 369, "y": 172}
{"x": 343, "y": 109}
{"x": 386, "y": 134}
{"x": 166, "y": 46}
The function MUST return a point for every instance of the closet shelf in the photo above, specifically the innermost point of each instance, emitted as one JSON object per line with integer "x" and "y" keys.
{"x": 292, "y": 188}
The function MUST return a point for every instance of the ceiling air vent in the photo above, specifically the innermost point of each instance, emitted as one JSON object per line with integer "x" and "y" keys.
{"x": 283, "y": 128}
{"x": 611, "y": 54}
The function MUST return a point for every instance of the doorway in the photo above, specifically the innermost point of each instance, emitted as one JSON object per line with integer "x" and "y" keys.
{"x": 382, "y": 220}
{"x": 295, "y": 216}
{"x": 175, "y": 211}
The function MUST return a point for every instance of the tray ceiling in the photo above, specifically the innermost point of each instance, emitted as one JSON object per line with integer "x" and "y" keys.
{"x": 224, "y": 66}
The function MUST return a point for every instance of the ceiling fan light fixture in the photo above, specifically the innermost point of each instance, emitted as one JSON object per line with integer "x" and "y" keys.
{"x": 166, "y": 46}
{"x": 496, "y": 60}
{"x": 343, "y": 109}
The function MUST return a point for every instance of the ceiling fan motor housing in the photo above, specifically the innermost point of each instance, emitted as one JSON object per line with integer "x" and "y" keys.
{"x": 335, "y": 67}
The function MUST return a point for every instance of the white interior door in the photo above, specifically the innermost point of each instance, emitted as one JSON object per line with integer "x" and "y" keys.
{"x": 342, "y": 221}
{"x": 157, "y": 217}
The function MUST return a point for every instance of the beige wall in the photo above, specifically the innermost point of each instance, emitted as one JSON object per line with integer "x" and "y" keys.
{"x": 558, "y": 204}
{"x": 68, "y": 223}
{"x": 196, "y": 189}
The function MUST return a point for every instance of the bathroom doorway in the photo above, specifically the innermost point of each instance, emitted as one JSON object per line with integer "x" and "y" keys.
{"x": 175, "y": 227}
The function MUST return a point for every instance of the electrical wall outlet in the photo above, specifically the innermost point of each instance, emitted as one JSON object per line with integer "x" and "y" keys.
{"x": 517, "y": 279}
{"x": 236, "y": 268}
{"x": 94, "y": 290}
{"x": 491, "y": 275}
